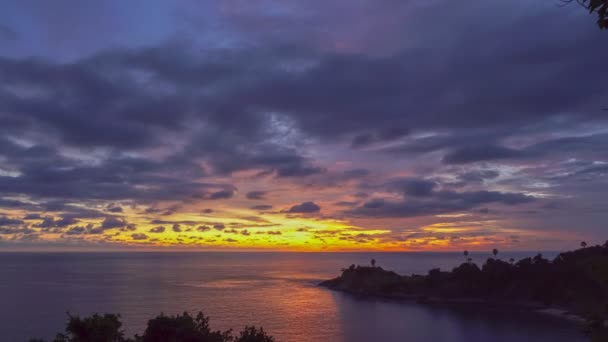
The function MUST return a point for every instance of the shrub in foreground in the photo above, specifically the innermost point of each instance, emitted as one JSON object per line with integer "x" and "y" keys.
{"x": 163, "y": 328}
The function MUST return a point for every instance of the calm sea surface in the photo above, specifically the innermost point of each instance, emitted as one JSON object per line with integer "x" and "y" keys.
{"x": 275, "y": 290}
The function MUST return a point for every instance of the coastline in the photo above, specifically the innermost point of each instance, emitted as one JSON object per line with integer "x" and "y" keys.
{"x": 518, "y": 306}
{"x": 571, "y": 287}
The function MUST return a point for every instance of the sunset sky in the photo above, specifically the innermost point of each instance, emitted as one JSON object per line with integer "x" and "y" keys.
{"x": 302, "y": 125}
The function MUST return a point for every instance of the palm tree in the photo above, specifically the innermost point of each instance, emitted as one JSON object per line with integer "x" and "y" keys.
{"x": 495, "y": 252}
{"x": 466, "y": 255}
{"x": 373, "y": 262}
{"x": 583, "y": 244}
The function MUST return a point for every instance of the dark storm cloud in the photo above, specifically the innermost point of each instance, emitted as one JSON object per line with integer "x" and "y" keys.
{"x": 114, "y": 209}
{"x": 66, "y": 221}
{"x": 256, "y": 195}
{"x": 413, "y": 187}
{"x": 113, "y": 222}
{"x": 440, "y": 202}
{"x": 481, "y": 153}
{"x": 590, "y": 145}
{"x": 223, "y": 194}
{"x": 6, "y": 221}
{"x": 385, "y": 135}
{"x": 9, "y": 203}
{"x": 374, "y": 203}
{"x": 46, "y": 174}
{"x": 7, "y": 230}
{"x": 47, "y": 222}
{"x": 150, "y": 123}
{"x": 32, "y": 217}
{"x": 477, "y": 176}
{"x": 304, "y": 208}
{"x": 133, "y": 115}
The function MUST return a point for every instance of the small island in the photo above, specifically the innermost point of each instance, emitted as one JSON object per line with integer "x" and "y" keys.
{"x": 574, "y": 285}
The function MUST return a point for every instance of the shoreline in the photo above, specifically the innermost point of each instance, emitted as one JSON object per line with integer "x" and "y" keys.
{"x": 518, "y": 306}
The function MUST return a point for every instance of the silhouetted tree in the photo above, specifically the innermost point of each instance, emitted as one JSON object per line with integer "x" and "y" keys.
{"x": 583, "y": 244}
{"x": 466, "y": 255}
{"x": 495, "y": 252}
{"x": 251, "y": 334}
{"x": 182, "y": 327}
{"x": 598, "y": 6}
{"x": 96, "y": 328}
{"x": 373, "y": 262}
{"x": 163, "y": 328}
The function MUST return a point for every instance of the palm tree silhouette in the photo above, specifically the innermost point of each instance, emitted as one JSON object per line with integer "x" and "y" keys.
{"x": 373, "y": 262}
{"x": 466, "y": 255}
{"x": 495, "y": 252}
{"x": 583, "y": 244}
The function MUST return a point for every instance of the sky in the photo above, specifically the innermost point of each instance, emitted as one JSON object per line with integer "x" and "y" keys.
{"x": 302, "y": 125}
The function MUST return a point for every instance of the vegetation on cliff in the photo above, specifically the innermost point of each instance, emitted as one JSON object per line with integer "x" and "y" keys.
{"x": 576, "y": 281}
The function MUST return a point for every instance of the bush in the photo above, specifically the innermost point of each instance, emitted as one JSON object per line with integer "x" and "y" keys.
{"x": 163, "y": 328}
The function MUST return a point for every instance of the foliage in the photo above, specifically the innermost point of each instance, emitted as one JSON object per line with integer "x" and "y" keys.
{"x": 598, "y": 6}
{"x": 576, "y": 281}
{"x": 163, "y": 328}
{"x": 252, "y": 334}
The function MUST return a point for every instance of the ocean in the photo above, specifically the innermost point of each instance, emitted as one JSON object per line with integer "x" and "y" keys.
{"x": 275, "y": 290}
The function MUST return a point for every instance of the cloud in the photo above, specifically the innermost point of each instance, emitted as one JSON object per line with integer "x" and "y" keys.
{"x": 139, "y": 236}
{"x": 219, "y": 226}
{"x": 304, "y": 208}
{"x": 115, "y": 209}
{"x": 471, "y": 154}
{"x": 440, "y": 202}
{"x": 477, "y": 176}
{"x": 111, "y": 222}
{"x": 176, "y": 228}
{"x": 256, "y": 195}
{"x": 592, "y": 145}
{"x": 414, "y": 187}
{"x": 32, "y": 217}
{"x": 261, "y": 207}
{"x": 303, "y": 104}
{"x": 76, "y": 230}
{"x": 159, "y": 229}
{"x": 384, "y": 135}
{"x": 203, "y": 228}
{"x": 223, "y": 194}
{"x": 6, "y": 221}
{"x": 374, "y": 203}
{"x": 7, "y": 230}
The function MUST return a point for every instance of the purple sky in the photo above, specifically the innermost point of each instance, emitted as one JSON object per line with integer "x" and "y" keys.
{"x": 324, "y": 125}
